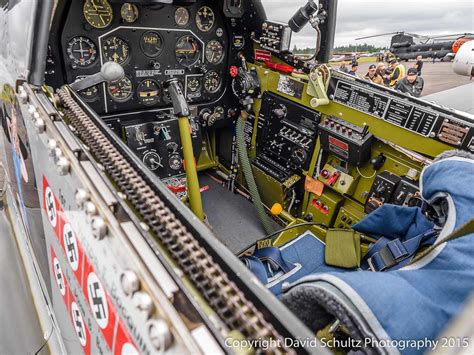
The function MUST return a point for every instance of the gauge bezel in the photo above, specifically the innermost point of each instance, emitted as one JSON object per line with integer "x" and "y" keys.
{"x": 125, "y": 61}
{"x": 221, "y": 58}
{"x": 161, "y": 46}
{"x": 135, "y": 11}
{"x": 73, "y": 59}
{"x": 198, "y": 52}
{"x": 209, "y": 73}
{"x": 87, "y": 16}
{"x": 199, "y": 25}
{"x": 130, "y": 93}
{"x": 181, "y": 8}
{"x": 156, "y": 98}
{"x": 198, "y": 79}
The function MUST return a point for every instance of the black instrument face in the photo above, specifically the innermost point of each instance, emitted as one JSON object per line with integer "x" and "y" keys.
{"x": 116, "y": 50}
{"x": 91, "y": 94}
{"x": 82, "y": 51}
{"x": 181, "y": 16}
{"x": 205, "y": 19}
{"x": 149, "y": 92}
{"x": 121, "y": 91}
{"x": 151, "y": 44}
{"x": 129, "y": 12}
{"x": 214, "y": 52}
{"x": 187, "y": 51}
{"x": 212, "y": 82}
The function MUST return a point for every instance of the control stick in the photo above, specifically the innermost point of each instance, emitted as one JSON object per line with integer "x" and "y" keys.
{"x": 182, "y": 112}
{"x": 110, "y": 72}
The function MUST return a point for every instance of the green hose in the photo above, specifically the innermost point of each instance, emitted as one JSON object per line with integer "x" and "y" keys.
{"x": 247, "y": 169}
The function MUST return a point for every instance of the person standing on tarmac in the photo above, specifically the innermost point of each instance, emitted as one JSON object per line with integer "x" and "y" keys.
{"x": 419, "y": 65}
{"x": 412, "y": 84}
{"x": 383, "y": 72}
{"x": 373, "y": 76}
{"x": 354, "y": 68}
{"x": 398, "y": 72}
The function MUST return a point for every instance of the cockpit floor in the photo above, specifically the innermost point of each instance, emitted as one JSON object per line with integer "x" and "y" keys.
{"x": 233, "y": 219}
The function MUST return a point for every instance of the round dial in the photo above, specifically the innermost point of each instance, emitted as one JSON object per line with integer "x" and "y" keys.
{"x": 149, "y": 92}
{"x": 205, "y": 19}
{"x": 82, "y": 51}
{"x": 122, "y": 90}
{"x": 194, "y": 84}
{"x": 151, "y": 44}
{"x": 175, "y": 162}
{"x": 214, "y": 52}
{"x": 181, "y": 16}
{"x": 212, "y": 82}
{"x": 98, "y": 13}
{"x": 91, "y": 94}
{"x": 152, "y": 160}
{"x": 187, "y": 51}
{"x": 129, "y": 12}
{"x": 116, "y": 50}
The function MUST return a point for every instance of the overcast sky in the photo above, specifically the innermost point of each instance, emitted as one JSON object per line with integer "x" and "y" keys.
{"x": 358, "y": 18}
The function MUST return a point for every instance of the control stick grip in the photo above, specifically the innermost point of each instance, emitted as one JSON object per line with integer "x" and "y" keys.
{"x": 180, "y": 106}
{"x": 110, "y": 72}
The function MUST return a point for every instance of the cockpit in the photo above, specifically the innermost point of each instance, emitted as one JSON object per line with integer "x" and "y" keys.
{"x": 223, "y": 147}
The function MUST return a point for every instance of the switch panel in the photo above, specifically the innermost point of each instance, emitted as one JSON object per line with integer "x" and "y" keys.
{"x": 382, "y": 191}
{"x": 337, "y": 180}
{"x": 345, "y": 140}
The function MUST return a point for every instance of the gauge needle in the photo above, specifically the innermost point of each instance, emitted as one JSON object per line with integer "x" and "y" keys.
{"x": 114, "y": 91}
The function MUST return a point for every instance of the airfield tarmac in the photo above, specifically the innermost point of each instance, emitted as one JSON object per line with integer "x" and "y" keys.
{"x": 438, "y": 76}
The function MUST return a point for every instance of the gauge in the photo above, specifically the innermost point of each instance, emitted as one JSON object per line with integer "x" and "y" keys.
{"x": 212, "y": 82}
{"x": 98, "y": 13}
{"x": 82, "y": 51}
{"x": 214, "y": 52}
{"x": 151, "y": 44}
{"x": 194, "y": 84}
{"x": 181, "y": 16}
{"x": 129, "y": 12}
{"x": 116, "y": 50}
{"x": 187, "y": 51}
{"x": 91, "y": 94}
{"x": 152, "y": 160}
{"x": 205, "y": 19}
{"x": 149, "y": 92}
{"x": 122, "y": 90}
{"x": 175, "y": 162}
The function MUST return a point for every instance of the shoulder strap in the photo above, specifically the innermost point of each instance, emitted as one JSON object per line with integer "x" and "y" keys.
{"x": 466, "y": 229}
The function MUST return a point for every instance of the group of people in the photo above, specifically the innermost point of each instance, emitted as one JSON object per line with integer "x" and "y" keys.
{"x": 395, "y": 76}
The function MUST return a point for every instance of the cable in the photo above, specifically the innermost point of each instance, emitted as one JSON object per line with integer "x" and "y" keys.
{"x": 366, "y": 177}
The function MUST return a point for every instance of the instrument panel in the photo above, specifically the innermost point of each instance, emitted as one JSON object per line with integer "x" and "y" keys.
{"x": 153, "y": 42}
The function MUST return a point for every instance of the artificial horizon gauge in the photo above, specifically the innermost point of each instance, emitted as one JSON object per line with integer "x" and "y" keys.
{"x": 91, "y": 94}
{"x": 81, "y": 51}
{"x": 194, "y": 84}
{"x": 151, "y": 44}
{"x": 214, "y": 52}
{"x": 187, "y": 51}
{"x": 149, "y": 92}
{"x": 205, "y": 19}
{"x": 212, "y": 82}
{"x": 129, "y": 12}
{"x": 98, "y": 13}
{"x": 152, "y": 160}
{"x": 121, "y": 91}
{"x": 181, "y": 16}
